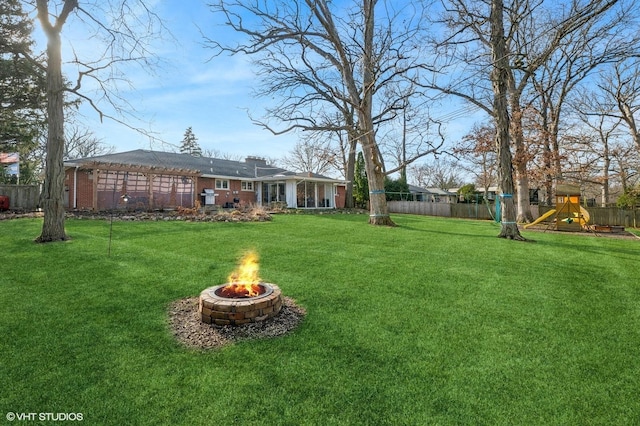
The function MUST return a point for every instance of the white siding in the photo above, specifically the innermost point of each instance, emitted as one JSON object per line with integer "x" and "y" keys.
{"x": 291, "y": 194}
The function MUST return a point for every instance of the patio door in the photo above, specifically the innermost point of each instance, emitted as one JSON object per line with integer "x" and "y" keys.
{"x": 273, "y": 192}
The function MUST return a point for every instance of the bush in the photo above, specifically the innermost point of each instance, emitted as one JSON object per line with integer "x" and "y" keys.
{"x": 468, "y": 192}
{"x": 630, "y": 198}
{"x": 396, "y": 190}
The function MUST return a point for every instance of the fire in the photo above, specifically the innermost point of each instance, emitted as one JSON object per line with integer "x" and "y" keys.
{"x": 244, "y": 281}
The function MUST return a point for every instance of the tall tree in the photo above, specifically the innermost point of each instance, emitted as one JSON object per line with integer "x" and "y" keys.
{"x": 190, "y": 144}
{"x": 466, "y": 44}
{"x": 53, "y": 188}
{"x": 125, "y": 28}
{"x": 321, "y": 59}
{"x": 499, "y": 80}
{"x": 22, "y": 84}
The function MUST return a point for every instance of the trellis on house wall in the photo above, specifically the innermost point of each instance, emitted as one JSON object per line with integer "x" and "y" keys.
{"x": 146, "y": 187}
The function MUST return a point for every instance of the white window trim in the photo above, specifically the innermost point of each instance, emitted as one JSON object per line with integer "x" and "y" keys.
{"x": 247, "y": 185}
{"x": 222, "y": 184}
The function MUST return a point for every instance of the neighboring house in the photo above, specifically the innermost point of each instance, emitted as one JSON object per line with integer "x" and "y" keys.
{"x": 432, "y": 195}
{"x": 492, "y": 193}
{"x": 154, "y": 180}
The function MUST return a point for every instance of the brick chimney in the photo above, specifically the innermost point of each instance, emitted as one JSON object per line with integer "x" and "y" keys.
{"x": 256, "y": 161}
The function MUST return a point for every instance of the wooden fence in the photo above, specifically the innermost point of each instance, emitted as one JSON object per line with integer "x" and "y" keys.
{"x": 418, "y": 207}
{"x": 460, "y": 210}
{"x": 608, "y": 216}
{"x": 22, "y": 197}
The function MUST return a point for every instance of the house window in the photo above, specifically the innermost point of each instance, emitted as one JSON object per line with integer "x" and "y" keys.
{"x": 222, "y": 184}
{"x": 246, "y": 185}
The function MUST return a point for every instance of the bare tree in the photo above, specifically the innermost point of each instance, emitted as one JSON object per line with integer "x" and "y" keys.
{"x": 119, "y": 23}
{"x": 625, "y": 164}
{"x": 534, "y": 31}
{"x": 216, "y": 153}
{"x": 322, "y": 59}
{"x": 499, "y": 80}
{"x": 82, "y": 143}
{"x": 411, "y": 135}
{"x": 588, "y": 49}
{"x": 477, "y": 150}
{"x": 310, "y": 155}
{"x": 439, "y": 173}
{"x": 590, "y": 156}
{"x": 622, "y": 84}
{"x": 595, "y": 141}
{"x": 603, "y": 110}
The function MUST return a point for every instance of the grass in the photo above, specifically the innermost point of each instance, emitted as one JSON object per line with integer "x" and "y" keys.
{"x": 433, "y": 322}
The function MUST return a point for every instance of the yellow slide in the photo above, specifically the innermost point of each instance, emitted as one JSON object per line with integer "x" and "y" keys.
{"x": 584, "y": 216}
{"x": 541, "y": 218}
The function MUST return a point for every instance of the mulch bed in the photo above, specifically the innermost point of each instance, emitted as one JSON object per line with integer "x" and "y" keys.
{"x": 188, "y": 329}
{"x": 221, "y": 216}
{"x": 626, "y": 235}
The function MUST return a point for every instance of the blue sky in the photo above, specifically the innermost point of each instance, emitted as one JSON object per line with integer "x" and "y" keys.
{"x": 192, "y": 89}
{"x": 187, "y": 89}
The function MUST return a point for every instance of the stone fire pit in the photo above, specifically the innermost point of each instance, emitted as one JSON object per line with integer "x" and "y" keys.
{"x": 214, "y": 308}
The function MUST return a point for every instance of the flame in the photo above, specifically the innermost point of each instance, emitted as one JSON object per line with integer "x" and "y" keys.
{"x": 244, "y": 281}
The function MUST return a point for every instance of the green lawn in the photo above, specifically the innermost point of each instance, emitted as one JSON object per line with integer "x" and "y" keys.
{"x": 433, "y": 322}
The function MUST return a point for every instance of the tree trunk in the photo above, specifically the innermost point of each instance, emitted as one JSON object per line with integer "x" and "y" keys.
{"x": 378, "y": 210}
{"x": 53, "y": 191}
{"x": 351, "y": 167}
{"x": 628, "y": 117}
{"x": 499, "y": 76}
{"x": 605, "y": 170}
{"x": 546, "y": 154}
{"x": 520, "y": 162}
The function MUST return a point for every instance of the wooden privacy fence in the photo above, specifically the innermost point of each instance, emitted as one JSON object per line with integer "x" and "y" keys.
{"x": 21, "y": 197}
{"x": 478, "y": 211}
{"x": 608, "y": 216}
{"x": 419, "y": 207}
{"x": 460, "y": 210}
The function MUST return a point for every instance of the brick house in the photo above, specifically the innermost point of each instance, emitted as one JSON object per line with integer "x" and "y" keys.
{"x": 143, "y": 179}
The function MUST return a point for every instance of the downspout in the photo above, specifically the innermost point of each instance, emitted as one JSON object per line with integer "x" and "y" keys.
{"x": 75, "y": 188}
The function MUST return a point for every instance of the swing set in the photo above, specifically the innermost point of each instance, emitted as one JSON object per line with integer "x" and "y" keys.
{"x": 568, "y": 215}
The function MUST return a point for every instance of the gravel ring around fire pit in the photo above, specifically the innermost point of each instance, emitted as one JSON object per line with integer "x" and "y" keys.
{"x": 187, "y": 327}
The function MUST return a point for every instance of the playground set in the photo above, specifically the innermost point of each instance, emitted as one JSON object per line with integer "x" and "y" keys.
{"x": 568, "y": 215}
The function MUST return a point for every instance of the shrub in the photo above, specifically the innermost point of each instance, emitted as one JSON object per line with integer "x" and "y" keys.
{"x": 630, "y": 198}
